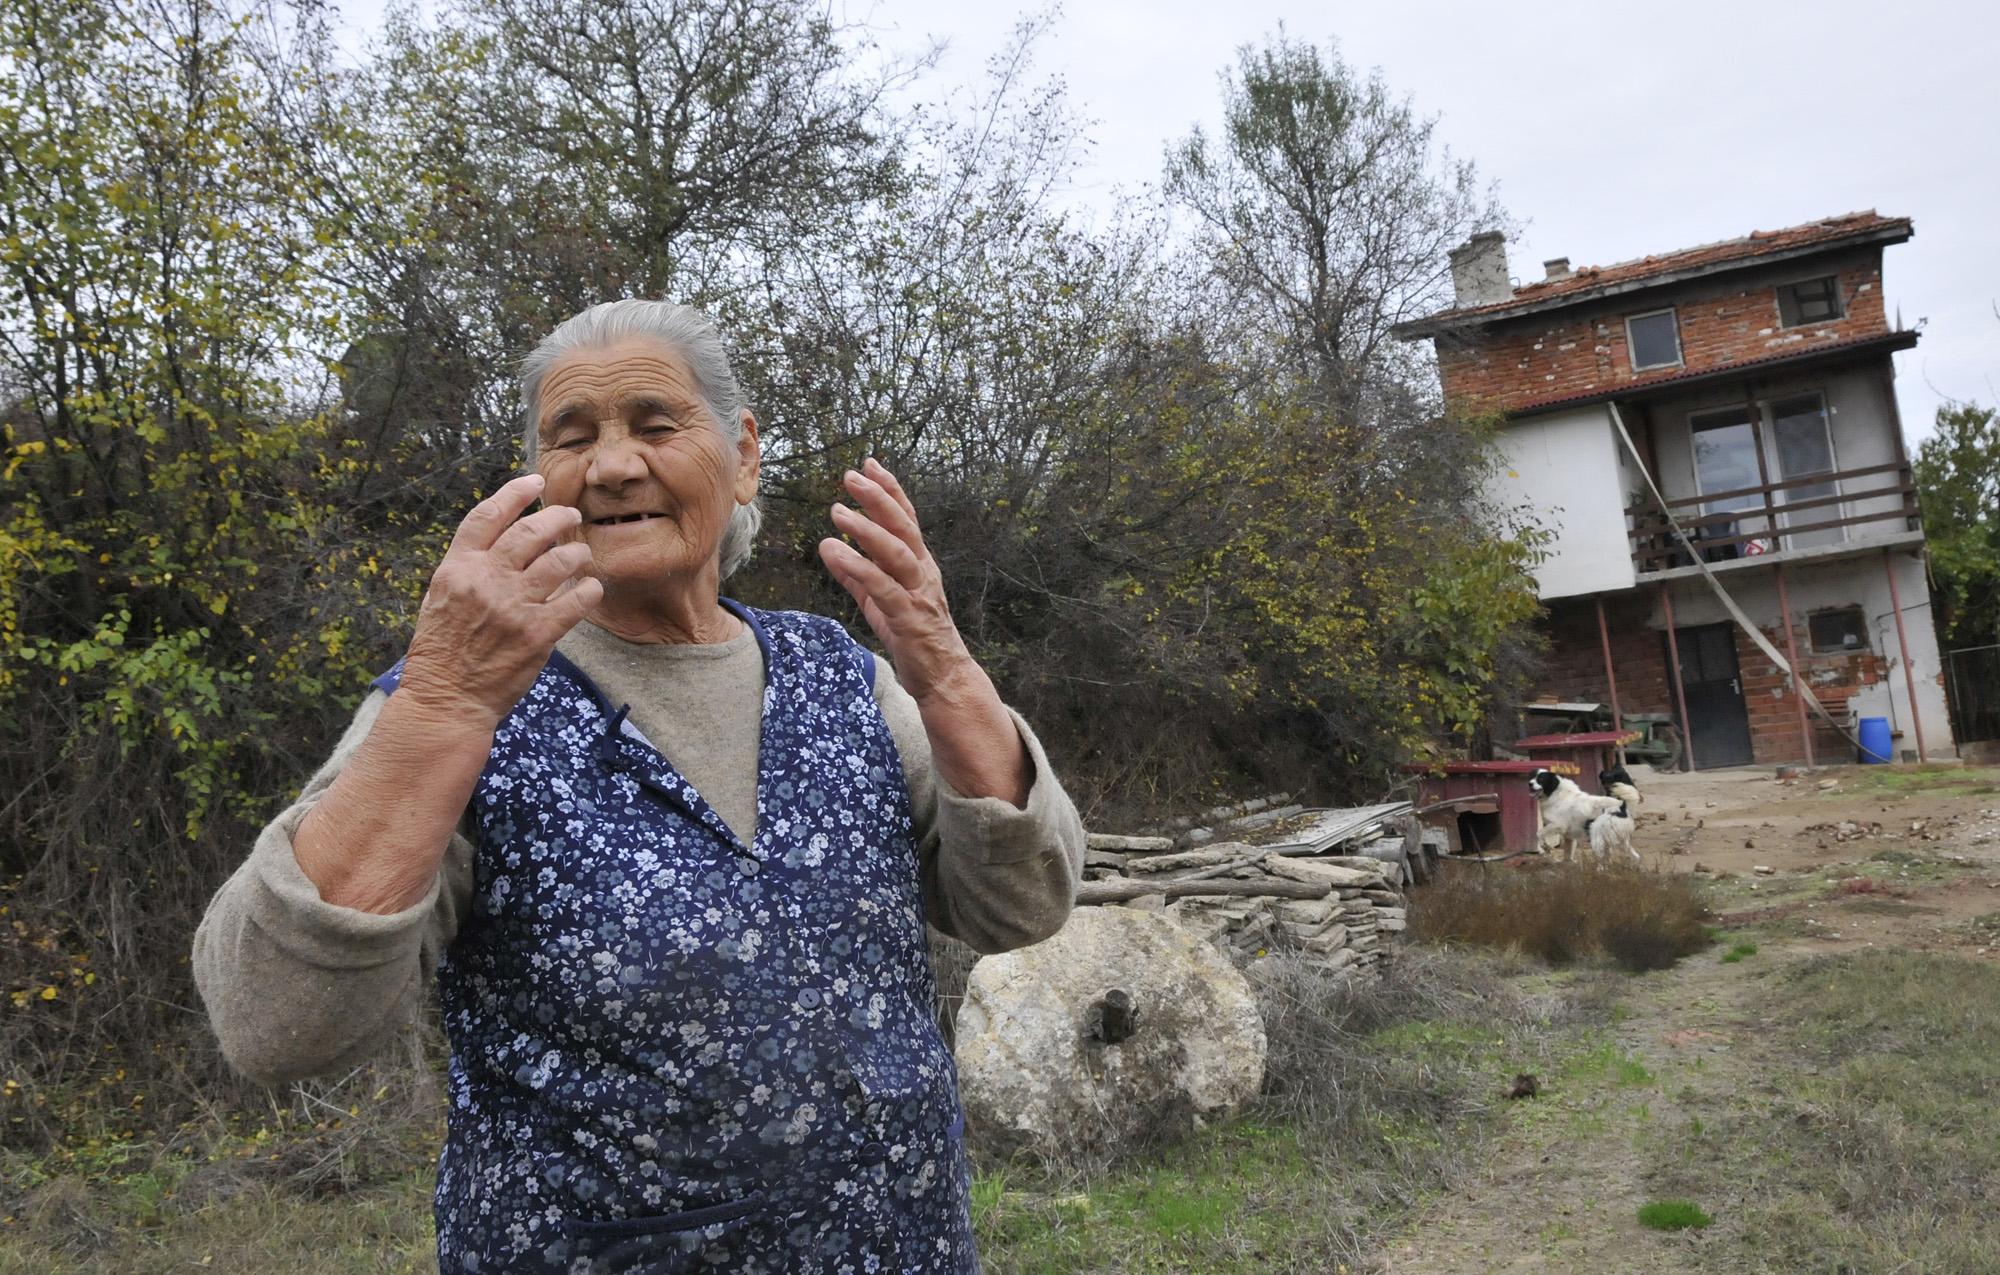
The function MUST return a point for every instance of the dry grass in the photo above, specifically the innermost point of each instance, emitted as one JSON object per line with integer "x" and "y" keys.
{"x": 331, "y": 1176}
{"x": 1564, "y": 913}
{"x": 1873, "y": 1143}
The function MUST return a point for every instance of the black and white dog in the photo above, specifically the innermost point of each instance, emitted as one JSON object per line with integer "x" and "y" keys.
{"x": 1613, "y": 829}
{"x": 1568, "y": 812}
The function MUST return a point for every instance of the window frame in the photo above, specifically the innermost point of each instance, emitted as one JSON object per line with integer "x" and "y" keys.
{"x": 1631, "y": 347}
{"x": 1833, "y": 292}
{"x": 1853, "y": 609}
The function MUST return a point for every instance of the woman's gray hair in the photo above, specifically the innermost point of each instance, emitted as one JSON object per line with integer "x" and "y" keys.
{"x": 688, "y": 333}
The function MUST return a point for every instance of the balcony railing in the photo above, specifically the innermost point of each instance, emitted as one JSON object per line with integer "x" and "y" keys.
{"x": 1773, "y": 523}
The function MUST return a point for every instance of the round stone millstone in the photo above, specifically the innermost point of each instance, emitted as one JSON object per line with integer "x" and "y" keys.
{"x": 1037, "y": 1065}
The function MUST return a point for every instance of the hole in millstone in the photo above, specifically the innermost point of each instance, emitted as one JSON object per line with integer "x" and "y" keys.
{"x": 1113, "y": 1018}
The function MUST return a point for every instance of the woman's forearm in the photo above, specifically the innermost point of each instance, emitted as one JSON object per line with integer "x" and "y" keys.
{"x": 374, "y": 841}
{"x": 974, "y": 744}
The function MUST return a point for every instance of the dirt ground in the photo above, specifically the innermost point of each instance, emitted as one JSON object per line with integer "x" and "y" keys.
{"x": 1835, "y": 860}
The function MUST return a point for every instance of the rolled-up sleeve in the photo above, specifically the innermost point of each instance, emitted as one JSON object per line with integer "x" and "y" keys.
{"x": 295, "y": 986}
{"x": 995, "y": 876}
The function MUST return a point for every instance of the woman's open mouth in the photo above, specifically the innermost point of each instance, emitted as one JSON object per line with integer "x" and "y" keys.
{"x": 624, "y": 518}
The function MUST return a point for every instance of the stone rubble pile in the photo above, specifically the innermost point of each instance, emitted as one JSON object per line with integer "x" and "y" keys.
{"x": 1323, "y": 884}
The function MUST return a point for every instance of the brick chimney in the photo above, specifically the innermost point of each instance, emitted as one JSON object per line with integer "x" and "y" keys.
{"x": 1479, "y": 270}
{"x": 1554, "y": 269}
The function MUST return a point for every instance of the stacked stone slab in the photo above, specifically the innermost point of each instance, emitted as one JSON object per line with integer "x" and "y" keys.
{"x": 1348, "y": 928}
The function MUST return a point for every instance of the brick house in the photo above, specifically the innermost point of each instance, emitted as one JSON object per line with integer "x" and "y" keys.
{"x": 1754, "y": 378}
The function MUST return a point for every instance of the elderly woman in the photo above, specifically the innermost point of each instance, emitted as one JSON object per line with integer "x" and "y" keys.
{"x": 669, "y": 856}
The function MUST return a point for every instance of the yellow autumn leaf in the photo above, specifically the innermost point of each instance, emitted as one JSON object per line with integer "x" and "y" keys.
{"x": 48, "y": 993}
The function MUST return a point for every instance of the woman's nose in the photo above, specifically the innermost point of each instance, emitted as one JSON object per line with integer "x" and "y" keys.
{"x": 615, "y": 462}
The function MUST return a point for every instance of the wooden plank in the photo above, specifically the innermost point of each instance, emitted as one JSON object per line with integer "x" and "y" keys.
{"x": 1760, "y": 489}
{"x": 1128, "y": 845}
{"x": 1658, "y": 525}
{"x": 1328, "y": 828}
{"x": 1270, "y": 887}
{"x": 1662, "y": 559}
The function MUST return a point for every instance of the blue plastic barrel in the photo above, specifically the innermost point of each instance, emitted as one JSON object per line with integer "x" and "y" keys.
{"x": 1875, "y": 743}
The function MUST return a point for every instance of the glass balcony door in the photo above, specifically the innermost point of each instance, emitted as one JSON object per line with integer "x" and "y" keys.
{"x": 1797, "y": 442}
{"x": 1804, "y": 446}
{"x": 1725, "y": 460}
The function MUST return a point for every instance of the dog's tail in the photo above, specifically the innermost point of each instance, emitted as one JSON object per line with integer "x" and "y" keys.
{"x": 1624, "y": 792}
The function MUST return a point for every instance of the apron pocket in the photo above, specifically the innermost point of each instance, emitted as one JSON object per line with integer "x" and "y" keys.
{"x": 660, "y": 1245}
{"x": 691, "y": 1220}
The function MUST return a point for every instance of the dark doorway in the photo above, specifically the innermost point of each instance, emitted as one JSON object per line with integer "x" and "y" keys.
{"x": 1720, "y": 725}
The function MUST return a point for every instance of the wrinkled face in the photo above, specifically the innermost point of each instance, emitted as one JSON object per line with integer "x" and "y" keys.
{"x": 624, "y": 437}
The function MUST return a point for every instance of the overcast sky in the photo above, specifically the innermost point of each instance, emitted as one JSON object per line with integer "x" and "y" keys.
{"x": 1612, "y": 133}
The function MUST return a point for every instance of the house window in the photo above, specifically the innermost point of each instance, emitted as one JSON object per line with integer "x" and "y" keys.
{"x": 1843, "y": 630}
{"x": 1812, "y": 301}
{"x": 1653, "y": 340}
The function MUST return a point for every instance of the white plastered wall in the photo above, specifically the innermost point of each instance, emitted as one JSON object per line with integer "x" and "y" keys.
{"x": 1566, "y": 468}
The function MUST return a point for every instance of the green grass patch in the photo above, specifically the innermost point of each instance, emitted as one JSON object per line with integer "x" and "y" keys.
{"x": 1673, "y": 1215}
{"x": 1738, "y": 951}
{"x": 1905, "y": 780}
{"x": 1607, "y": 1062}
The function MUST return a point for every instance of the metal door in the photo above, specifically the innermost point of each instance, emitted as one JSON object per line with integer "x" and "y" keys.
{"x": 1720, "y": 721}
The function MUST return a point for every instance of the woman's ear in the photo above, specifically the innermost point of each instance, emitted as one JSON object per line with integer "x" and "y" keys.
{"x": 749, "y": 455}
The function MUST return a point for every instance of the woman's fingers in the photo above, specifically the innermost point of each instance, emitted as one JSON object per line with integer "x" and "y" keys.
{"x": 566, "y": 610}
{"x": 868, "y": 584}
{"x": 882, "y": 546}
{"x": 490, "y": 518}
{"x": 534, "y": 535}
{"x": 887, "y": 508}
{"x": 876, "y": 470}
{"x": 546, "y": 573}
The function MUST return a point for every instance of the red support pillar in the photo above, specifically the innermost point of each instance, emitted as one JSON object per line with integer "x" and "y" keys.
{"x": 1674, "y": 657}
{"x": 1903, "y": 648}
{"x": 1792, "y": 658}
{"x": 1610, "y": 673}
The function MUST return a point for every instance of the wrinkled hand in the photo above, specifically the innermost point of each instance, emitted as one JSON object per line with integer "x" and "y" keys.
{"x": 507, "y": 589}
{"x": 891, "y": 574}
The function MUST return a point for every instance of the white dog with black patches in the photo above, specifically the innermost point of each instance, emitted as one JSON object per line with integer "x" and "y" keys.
{"x": 1568, "y": 813}
{"x": 1613, "y": 830}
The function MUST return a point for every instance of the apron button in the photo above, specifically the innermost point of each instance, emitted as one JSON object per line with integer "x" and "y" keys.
{"x": 809, "y": 997}
{"x": 874, "y": 1152}
{"x": 748, "y": 867}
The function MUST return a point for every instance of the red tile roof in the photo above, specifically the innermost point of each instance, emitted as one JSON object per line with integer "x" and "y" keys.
{"x": 1707, "y": 258}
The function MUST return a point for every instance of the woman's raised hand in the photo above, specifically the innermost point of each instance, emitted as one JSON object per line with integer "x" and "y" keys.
{"x": 891, "y": 574}
{"x": 889, "y": 570}
{"x": 507, "y": 589}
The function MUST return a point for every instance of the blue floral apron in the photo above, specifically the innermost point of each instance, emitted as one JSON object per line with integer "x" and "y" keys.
{"x": 671, "y": 1051}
